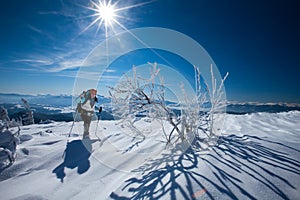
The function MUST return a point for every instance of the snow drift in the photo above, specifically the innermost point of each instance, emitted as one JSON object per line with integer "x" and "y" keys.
{"x": 257, "y": 157}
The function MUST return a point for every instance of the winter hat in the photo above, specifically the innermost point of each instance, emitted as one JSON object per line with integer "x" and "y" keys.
{"x": 93, "y": 91}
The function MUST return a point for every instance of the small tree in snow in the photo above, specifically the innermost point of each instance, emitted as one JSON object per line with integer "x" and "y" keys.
{"x": 136, "y": 98}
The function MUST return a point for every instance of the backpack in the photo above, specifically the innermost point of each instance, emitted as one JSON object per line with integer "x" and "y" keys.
{"x": 83, "y": 100}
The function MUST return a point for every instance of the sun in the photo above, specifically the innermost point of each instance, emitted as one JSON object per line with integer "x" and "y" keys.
{"x": 107, "y": 14}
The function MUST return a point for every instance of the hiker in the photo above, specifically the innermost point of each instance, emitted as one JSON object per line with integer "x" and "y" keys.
{"x": 86, "y": 108}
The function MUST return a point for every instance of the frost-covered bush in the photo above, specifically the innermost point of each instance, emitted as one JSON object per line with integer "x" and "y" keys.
{"x": 202, "y": 114}
{"x": 136, "y": 98}
{"x": 8, "y": 146}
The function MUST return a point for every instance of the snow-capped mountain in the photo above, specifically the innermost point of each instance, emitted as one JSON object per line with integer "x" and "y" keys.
{"x": 59, "y": 107}
{"x": 254, "y": 107}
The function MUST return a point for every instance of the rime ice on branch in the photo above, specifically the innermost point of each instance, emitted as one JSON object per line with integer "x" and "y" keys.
{"x": 136, "y": 97}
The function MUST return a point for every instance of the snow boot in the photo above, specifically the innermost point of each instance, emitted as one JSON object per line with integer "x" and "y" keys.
{"x": 86, "y": 136}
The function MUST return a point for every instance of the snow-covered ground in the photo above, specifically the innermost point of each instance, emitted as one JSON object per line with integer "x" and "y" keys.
{"x": 258, "y": 157}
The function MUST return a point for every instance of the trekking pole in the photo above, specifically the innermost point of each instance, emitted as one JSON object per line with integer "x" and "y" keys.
{"x": 99, "y": 117}
{"x": 76, "y": 112}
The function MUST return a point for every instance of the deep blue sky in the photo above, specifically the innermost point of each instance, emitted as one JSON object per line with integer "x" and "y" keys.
{"x": 256, "y": 41}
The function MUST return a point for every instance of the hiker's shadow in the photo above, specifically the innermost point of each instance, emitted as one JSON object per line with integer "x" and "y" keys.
{"x": 76, "y": 154}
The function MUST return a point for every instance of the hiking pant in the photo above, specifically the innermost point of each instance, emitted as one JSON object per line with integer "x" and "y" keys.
{"x": 87, "y": 118}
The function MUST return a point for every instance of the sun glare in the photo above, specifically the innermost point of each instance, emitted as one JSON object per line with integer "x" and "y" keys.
{"x": 106, "y": 14}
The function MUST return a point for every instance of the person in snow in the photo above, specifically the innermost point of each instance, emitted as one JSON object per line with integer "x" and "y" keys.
{"x": 86, "y": 108}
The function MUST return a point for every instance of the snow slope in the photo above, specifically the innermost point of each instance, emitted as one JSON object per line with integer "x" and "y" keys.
{"x": 258, "y": 157}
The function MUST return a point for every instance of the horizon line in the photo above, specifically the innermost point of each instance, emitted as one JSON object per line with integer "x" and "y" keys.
{"x": 234, "y": 102}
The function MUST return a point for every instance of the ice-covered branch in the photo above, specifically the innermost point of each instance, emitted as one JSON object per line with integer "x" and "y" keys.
{"x": 137, "y": 97}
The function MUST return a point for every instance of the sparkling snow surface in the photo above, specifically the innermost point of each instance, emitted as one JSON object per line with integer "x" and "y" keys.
{"x": 258, "y": 157}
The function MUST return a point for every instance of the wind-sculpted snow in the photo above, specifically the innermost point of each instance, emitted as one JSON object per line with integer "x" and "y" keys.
{"x": 257, "y": 157}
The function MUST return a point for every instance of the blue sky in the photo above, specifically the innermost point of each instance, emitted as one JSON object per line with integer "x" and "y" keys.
{"x": 257, "y": 42}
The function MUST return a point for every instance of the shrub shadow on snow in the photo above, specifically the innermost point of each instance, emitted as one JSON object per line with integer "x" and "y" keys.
{"x": 259, "y": 159}
{"x": 160, "y": 177}
{"x": 76, "y": 154}
{"x": 135, "y": 144}
{"x": 252, "y": 158}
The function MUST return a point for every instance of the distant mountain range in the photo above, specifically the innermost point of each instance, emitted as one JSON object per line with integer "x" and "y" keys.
{"x": 59, "y": 107}
{"x": 253, "y": 107}
{"x": 47, "y": 107}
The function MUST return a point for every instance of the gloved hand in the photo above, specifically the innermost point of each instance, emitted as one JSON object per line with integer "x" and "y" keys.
{"x": 79, "y": 109}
